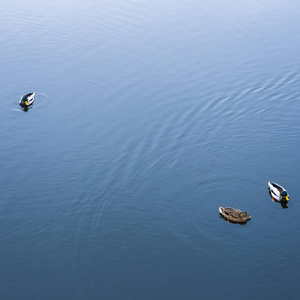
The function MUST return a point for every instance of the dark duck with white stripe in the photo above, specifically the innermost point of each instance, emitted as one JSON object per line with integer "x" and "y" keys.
{"x": 27, "y": 99}
{"x": 278, "y": 192}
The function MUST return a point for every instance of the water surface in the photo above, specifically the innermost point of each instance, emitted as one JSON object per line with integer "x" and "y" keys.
{"x": 148, "y": 117}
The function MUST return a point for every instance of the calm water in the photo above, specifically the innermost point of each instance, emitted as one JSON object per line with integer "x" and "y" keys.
{"x": 149, "y": 115}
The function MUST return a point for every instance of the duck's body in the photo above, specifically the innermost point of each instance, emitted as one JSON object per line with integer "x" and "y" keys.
{"x": 27, "y": 99}
{"x": 278, "y": 192}
{"x": 234, "y": 214}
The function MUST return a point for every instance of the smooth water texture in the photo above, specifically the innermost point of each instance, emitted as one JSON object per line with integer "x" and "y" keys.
{"x": 148, "y": 116}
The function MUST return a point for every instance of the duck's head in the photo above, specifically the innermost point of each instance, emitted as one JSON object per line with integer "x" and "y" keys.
{"x": 24, "y": 101}
{"x": 285, "y": 196}
{"x": 245, "y": 215}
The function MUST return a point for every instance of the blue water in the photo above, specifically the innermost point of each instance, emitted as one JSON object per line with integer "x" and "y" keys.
{"x": 149, "y": 115}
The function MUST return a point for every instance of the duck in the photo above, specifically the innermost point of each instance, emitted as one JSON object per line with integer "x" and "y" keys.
{"x": 278, "y": 192}
{"x": 234, "y": 214}
{"x": 27, "y": 99}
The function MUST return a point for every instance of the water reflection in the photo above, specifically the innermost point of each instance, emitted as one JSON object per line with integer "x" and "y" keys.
{"x": 26, "y": 108}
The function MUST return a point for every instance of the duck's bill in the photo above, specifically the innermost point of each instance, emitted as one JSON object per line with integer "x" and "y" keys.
{"x": 248, "y": 216}
{"x": 287, "y": 198}
{"x": 26, "y": 103}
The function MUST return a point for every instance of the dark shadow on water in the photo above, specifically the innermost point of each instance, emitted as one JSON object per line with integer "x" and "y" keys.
{"x": 229, "y": 221}
{"x": 283, "y": 204}
{"x": 26, "y": 108}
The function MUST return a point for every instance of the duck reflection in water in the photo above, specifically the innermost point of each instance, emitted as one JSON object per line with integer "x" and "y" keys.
{"x": 26, "y": 108}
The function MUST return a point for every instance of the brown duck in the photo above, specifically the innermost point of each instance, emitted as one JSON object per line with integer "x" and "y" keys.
{"x": 234, "y": 214}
